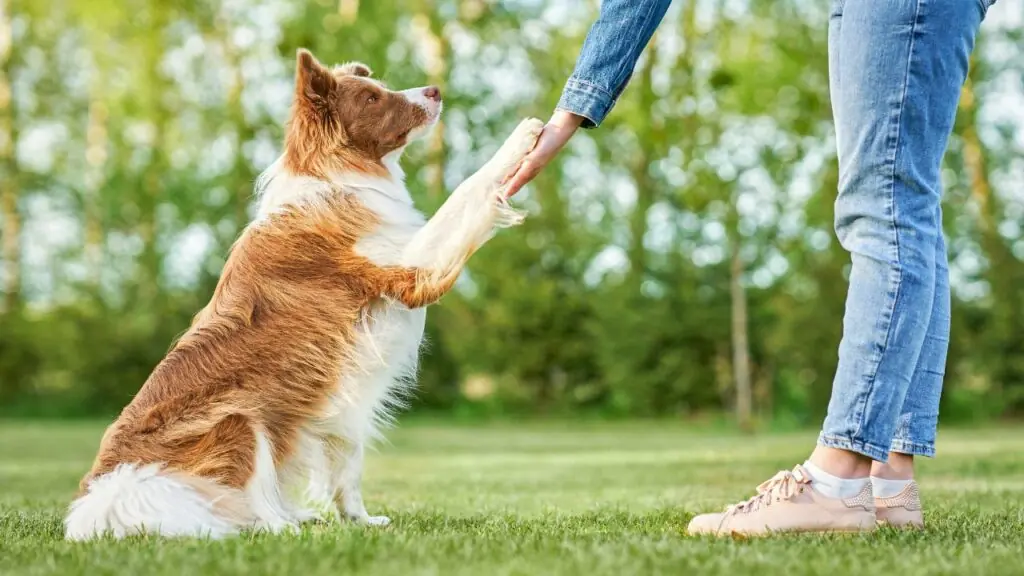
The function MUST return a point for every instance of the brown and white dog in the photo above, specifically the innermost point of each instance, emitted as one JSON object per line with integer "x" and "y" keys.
{"x": 259, "y": 415}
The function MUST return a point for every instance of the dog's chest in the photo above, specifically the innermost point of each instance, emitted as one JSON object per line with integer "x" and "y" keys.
{"x": 388, "y": 335}
{"x": 388, "y": 331}
{"x": 398, "y": 223}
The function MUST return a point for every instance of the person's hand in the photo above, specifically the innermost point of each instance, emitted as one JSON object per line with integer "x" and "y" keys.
{"x": 557, "y": 132}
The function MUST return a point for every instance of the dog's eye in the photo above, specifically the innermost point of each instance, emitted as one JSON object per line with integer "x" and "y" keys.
{"x": 371, "y": 98}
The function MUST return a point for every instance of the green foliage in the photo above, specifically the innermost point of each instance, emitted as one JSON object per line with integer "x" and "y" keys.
{"x": 139, "y": 127}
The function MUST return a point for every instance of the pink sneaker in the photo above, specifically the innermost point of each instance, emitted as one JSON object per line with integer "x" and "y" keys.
{"x": 902, "y": 510}
{"x": 789, "y": 503}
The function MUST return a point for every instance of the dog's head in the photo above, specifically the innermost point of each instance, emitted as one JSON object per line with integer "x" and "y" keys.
{"x": 343, "y": 119}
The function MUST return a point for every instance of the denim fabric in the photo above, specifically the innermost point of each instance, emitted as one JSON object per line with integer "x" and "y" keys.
{"x": 609, "y": 55}
{"x": 895, "y": 69}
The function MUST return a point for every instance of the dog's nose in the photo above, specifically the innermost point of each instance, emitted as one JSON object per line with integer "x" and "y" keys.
{"x": 433, "y": 93}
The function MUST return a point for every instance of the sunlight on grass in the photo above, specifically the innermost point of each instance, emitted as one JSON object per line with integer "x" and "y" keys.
{"x": 539, "y": 498}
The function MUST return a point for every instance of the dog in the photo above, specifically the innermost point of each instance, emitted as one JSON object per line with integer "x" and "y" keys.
{"x": 259, "y": 416}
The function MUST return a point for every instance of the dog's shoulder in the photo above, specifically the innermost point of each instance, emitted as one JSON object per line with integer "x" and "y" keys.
{"x": 396, "y": 218}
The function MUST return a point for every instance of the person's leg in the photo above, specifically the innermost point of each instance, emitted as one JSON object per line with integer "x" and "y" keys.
{"x": 903, "y": 63}
{"x": 896, "y": 495}
{"x": 915, "y": 429}
{"x": 841, "y": 463}
{"x": 896, "y": 68}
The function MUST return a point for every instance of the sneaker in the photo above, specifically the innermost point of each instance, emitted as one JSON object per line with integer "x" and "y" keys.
{"x": 902, "y": 510}
{"x": 789, "y": 503}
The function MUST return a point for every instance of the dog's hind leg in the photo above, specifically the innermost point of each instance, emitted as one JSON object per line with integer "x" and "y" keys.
{"x": 195, "y": 489}
{"x": 263, "y": 491}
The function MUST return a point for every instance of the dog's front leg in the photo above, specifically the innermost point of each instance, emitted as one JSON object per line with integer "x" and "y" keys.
{"x": 472, "y": 213}
{"x": 436, "y": 254}
{"x": 348, "y": 492}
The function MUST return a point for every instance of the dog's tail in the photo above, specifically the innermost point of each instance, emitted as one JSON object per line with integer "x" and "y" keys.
{"x": 152, "y": 499}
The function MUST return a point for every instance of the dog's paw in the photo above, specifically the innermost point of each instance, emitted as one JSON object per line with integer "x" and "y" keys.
{"x": 516, "y": 147}
{"x": 365, "y": 519}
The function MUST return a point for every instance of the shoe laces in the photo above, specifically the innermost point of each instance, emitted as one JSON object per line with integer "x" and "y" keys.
{"x": 782, "y": 486}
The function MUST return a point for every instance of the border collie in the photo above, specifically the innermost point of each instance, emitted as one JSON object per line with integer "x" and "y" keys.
{"x": 259, "y": 415}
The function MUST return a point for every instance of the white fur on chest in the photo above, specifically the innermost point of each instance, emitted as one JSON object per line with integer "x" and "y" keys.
{"x": 389, "y": 334}
{"x": 382, "y": 365}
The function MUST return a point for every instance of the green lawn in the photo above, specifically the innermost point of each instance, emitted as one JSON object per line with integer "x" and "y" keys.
{"x": 540, "y": 499}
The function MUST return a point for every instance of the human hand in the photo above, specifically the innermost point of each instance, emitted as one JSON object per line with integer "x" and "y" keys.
{"x": 557, "y": 132}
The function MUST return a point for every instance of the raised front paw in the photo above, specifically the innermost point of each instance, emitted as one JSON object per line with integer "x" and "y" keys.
{"x": 516, "y": 147}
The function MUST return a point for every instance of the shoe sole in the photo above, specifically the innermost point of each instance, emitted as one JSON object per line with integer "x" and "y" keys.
{"x": 838, "y": 531}
{"x": 906, "y": 526}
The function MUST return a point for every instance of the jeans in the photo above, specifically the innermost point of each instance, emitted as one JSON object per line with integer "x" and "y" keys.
{"x": 608, "y": 57}
{"x": 895, "y": 71}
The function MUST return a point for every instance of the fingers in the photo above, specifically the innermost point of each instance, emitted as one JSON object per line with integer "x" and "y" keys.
{"x": 531, "y": 165}
{"x": 526, "y": 172}
{"x": 515, "y": 169}
{"x": 511, "y": 173}
{"x": 549, "y": 143}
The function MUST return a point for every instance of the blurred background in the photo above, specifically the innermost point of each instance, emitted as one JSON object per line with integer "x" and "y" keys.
{"x": 679, "y": 261}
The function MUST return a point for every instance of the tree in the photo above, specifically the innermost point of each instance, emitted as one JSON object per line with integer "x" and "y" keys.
{"x": 10, "y": 252}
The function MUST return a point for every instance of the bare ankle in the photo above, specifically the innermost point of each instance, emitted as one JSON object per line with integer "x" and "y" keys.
{"x": 841, "y": 463}
{"x": 899, "y": 467}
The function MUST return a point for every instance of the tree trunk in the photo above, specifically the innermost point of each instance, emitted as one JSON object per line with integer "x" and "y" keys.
{"x": 96, "y": 159}
{"x": 974, "y": 158}
{"x": 10, "y": 252}
{"x": 740, "y": 341}
{"x": 348, "y": 10}
{"x": 1004, "y": 323}
{"x": 649, "y": 141}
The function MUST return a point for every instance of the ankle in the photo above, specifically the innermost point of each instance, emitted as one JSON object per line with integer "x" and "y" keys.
{"x": 834, "y": 486}
{"x": 841, "y": 463}
{"x": 899, "y": 467}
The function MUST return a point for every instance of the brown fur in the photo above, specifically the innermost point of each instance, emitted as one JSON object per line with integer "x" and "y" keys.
{"x": 341, "y": 120}
{"x": 271, "y": 345}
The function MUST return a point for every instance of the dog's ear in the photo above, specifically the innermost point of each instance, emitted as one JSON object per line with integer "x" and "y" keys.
{"x": 313, "y": 82}
{"x": 353, "y": 69}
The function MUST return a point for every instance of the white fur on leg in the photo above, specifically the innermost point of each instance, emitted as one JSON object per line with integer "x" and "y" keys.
{"x": 135, "y": 499}
{"x": 349, "y": 491}
{"x": 473, "y": 212}
{"x": 306, "y": 482}
{"x": 264, "y": 492}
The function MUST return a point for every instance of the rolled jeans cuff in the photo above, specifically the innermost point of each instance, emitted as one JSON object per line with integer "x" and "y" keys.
{"x": 873, "y": 451}
{"x": 584, "y": 99}
{"x": 912, "y": 448}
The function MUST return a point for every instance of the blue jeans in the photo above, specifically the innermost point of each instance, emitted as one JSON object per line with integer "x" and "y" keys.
{"x": 895, "y": 70}
{"x": 608, "y": 57}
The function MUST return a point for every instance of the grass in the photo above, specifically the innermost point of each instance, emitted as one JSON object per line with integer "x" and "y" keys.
{"x": 540, "y": 499}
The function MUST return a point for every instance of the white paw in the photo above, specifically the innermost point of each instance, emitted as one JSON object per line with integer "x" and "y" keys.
{"x": 367, "y": 520}
{"x": 516, "y": 147}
